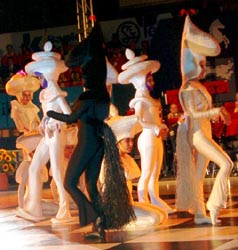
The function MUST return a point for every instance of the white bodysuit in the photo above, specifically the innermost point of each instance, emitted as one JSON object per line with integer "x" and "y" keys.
{"x": 194, "y": 154}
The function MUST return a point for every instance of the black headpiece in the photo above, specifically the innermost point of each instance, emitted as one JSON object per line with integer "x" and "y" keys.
{"x": 90, "y": 56}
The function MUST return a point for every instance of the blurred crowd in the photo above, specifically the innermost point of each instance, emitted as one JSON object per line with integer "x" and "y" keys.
{"x": 12, "y": 61}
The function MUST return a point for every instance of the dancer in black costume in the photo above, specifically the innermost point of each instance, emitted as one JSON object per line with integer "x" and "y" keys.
{"x": 95, "y": 141}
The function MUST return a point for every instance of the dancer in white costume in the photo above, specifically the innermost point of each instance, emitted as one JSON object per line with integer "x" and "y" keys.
{"x": 137, "y": 71}
{"x": 125, "y": 128}
{"x": 195, "y": 146}
{"x": 25, "y": 116}
{"x": 47, "y": 65}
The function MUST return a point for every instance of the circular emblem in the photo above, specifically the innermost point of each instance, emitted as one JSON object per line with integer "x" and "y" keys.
{"x": 127, "y": 32}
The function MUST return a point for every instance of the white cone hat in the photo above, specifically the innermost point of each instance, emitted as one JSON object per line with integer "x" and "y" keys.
{"x": 195, "y": 46}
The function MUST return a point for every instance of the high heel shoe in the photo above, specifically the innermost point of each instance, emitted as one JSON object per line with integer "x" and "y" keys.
{"x": 98, "y": 229}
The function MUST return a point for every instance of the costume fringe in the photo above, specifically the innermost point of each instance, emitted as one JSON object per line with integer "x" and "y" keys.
{"x": 186, "y": 181}
{"x": 116, "y": 203}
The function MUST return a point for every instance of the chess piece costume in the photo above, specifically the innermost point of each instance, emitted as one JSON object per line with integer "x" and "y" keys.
{"x": 150, "y": 143}
{"x": 195, "y": 146}
{"x": 47, "y": 65}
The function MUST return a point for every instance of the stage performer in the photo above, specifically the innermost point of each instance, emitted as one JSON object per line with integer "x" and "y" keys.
{"x": 195, "y": 146}
{"x": 25, "y": 116}
{"x": 70, "y": 140}
{"x": 95, "y": 141}
{"x": 125, "y": 128}
{"x": 138, "y": 71}
{"x": 47, "y": 66}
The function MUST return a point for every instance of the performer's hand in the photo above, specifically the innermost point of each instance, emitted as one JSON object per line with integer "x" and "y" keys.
{"x": 225, "y": 116}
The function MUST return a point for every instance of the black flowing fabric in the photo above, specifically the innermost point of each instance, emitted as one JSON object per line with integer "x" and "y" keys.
{"x": 116, "y": 203}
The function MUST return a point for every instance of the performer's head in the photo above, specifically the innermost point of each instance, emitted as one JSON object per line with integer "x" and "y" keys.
{"x": 46, "y": 63}
{"x": 90, "y": 56}
{"x": 196, "y": 45}
{"x": 138, "y": 70}
{"x": 22, "y": 86}
{"x": 26, "y": 97}
{"x": 150, "y": 82}
{"x": 124, "y": 128}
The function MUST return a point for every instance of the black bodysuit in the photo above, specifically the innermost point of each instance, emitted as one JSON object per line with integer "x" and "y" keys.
{"x": 89, "y": 112}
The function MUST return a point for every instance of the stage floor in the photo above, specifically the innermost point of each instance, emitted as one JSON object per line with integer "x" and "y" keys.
{"x": 178, "y": 232}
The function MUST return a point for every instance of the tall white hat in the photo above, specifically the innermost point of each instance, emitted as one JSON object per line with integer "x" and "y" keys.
{"x": 124, "y": 126}
{"x": 136, "y": 66}
{"x": 195, "y": 46}
{"x": 46, "y": 62}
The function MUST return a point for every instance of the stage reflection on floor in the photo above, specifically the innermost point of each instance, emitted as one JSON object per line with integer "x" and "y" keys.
{"x": 178, "y": 232}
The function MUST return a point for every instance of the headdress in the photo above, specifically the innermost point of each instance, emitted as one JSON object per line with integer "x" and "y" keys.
{"x": 22, "y": 82}
{"x": 136, "y": 67}
{"x": 90, "y": 56}
{"x": 196, "y": 45}
{"x": 124, "y": 126}
{"x": 46, "y": 62}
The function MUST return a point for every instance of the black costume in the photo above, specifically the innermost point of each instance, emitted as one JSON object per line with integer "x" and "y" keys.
{"x": 95, "y": 140}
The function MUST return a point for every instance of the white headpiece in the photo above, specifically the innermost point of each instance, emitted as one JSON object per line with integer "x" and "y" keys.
{"x": 124, "y": 126}
{"x": 195, "y": 46}
{"x": 46, "y": 62}
{"x": 136, "y": 67}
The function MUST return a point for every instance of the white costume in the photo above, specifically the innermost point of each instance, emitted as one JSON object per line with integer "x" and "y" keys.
{"x": 26, "y": 119}
{"x": 126, "y": 127}
{"x": 150, "y": 143}
{"x": 48, "y": 65}
{"x": 70, "y": 140}
{"x": 195, "y": 146}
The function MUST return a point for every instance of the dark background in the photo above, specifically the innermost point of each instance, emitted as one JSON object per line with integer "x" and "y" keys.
{"x": 18, "y": 15}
